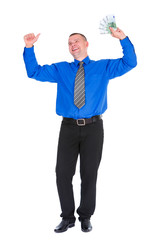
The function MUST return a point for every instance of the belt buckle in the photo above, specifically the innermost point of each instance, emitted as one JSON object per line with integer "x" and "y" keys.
{"x": 83, "y": 123}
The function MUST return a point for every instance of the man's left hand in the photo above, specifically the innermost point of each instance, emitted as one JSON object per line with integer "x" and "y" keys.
{"x": 118, "y": 33}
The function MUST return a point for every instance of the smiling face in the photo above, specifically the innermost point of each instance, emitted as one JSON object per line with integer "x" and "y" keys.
{"x": 78, "y": 47}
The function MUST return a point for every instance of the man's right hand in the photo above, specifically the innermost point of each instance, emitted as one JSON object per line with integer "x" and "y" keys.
{"x": 30, "y": 39}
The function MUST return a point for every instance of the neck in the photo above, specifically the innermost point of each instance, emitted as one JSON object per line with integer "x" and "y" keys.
{"x": 81, "y": 58}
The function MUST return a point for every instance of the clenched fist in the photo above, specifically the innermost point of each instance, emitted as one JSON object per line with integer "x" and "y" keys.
{"x": 30, "y": 39}
{"x": 118, "y": 33}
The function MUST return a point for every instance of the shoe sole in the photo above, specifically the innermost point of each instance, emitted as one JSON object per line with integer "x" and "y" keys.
{"x": 69, "y": 226}
{"x": 86, "y": 231}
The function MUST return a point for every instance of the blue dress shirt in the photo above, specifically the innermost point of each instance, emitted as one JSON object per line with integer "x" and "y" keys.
{"x": 97, "y": 76}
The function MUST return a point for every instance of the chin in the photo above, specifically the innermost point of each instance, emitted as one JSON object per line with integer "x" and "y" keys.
{"x": 75, "y": 55}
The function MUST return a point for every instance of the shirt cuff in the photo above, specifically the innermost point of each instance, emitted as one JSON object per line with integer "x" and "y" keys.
{"x": 125, "y": 42}
{"x": 29, "y": 50}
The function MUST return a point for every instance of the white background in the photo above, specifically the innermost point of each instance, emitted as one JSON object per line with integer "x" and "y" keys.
{"x": 128, "y": 192}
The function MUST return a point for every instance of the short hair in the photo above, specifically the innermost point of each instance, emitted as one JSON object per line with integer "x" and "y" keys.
{"x": 79, "y": 34}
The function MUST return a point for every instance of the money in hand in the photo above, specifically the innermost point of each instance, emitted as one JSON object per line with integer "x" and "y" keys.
{"x": 106, "y": 23}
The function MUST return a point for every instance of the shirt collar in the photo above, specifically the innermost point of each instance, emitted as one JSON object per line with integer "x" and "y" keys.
{"x": 86, "y": 61}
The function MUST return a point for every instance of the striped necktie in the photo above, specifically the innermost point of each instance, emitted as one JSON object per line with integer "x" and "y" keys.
{"x": 79, "y": 87}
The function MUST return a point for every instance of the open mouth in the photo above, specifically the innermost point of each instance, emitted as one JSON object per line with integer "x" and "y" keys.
{"x": 74, "y": 49}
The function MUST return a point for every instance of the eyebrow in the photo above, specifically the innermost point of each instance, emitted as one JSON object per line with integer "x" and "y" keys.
{"x": 73, "y": 40}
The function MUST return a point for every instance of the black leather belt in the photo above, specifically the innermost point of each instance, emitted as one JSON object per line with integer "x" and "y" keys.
{"x": 83, "y": 121}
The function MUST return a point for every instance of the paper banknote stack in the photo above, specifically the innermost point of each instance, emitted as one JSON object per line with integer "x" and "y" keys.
{"x": 106, "y": 23}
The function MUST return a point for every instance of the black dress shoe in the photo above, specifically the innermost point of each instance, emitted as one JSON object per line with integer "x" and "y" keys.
{"x": 63, "y": 226}
{"x": 86, "y": 225}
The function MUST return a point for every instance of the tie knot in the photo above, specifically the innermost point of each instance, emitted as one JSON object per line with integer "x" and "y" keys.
{"x": 80, "y": 64}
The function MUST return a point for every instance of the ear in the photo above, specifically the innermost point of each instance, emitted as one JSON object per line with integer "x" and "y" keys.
{"x": 87, "y": 44}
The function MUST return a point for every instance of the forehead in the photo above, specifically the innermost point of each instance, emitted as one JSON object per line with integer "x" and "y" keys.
{"x": 75, "y": 37}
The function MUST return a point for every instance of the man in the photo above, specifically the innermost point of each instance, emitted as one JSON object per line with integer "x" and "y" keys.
{"x": 81, "y": 100}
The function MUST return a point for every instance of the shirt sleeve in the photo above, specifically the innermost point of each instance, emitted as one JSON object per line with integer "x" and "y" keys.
{"x": 45, "y": 73}
{"x": 120, "y": 66}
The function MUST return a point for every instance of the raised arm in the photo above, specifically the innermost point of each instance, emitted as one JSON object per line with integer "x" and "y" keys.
{"x": 45, "y": 73}
{"x": 120, "y": 66}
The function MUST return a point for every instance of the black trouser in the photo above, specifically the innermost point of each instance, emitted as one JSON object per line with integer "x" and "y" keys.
{"x": 87, "y": 141}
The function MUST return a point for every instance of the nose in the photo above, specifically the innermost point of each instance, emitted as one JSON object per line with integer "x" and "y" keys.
{"x": 73, "y": 44}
